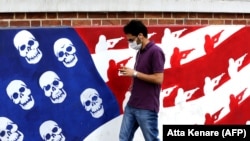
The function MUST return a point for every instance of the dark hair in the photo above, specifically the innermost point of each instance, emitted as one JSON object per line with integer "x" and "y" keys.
{"x": 135, "y": 27}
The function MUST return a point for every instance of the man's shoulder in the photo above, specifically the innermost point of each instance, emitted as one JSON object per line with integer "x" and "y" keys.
{"x": 156, "y": 47}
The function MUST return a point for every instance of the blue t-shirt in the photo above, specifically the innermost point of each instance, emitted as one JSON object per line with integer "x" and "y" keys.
{"x": 145, "y": 95}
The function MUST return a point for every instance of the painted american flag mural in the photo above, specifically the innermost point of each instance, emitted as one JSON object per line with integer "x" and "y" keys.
{"x": 63, "y": 83}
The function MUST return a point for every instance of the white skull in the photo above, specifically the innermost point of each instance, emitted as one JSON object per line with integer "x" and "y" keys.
{"x": 50, "y": 131}
{"x": 92, "y": 102}
{"x": 9, "y": 130}
{"x": 50, "y": 82}
{"x": 27, "y": 46}
{"x": 65, "y": 52}
{"x": 20, "y": 94}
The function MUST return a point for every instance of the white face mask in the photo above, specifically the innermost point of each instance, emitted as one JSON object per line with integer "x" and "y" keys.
{"x": 134, "y": 45}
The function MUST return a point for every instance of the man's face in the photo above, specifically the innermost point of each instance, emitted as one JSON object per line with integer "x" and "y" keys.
{"x": 132, "y": 38}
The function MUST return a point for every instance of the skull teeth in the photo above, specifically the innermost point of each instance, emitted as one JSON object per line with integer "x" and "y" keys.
{"x": 26, "y": 102}
{"x": 58, "y": 97}
{"x": 34, "y": 56}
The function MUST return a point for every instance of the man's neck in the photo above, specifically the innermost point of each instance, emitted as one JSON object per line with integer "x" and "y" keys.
{"x": 145, "y": 42}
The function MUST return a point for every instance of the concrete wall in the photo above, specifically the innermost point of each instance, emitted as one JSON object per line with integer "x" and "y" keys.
{"x": 43, "y": 13}
{"x": 228, "y": 6}
{"x": 41, "y": 19}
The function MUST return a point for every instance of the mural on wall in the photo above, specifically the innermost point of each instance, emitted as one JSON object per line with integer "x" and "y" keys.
{"x": 63, "y": 83}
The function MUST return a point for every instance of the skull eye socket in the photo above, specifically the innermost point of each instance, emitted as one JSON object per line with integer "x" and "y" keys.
{"x": 55, "y": 82}
{"x": 22, "y": 47}
{"x": 55, "y": 129}
{"x": 22, "y": 89}
{"x": 47, "y": 136}
{"x": 94, "y": 98}
{"x": 69, "y": 48}
{"x": 15, "y": 95}
{"x": 9, "y": 127}
{"x": 87, "y": 103}
{"x": 2, "y": 133}
{"x": 31, "y": 42}
{"x": 47, "y": 87}
{"x": 60, "y": 54}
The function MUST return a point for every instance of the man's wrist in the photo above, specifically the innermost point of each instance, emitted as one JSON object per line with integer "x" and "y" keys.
{"x": 135, "y": 73}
